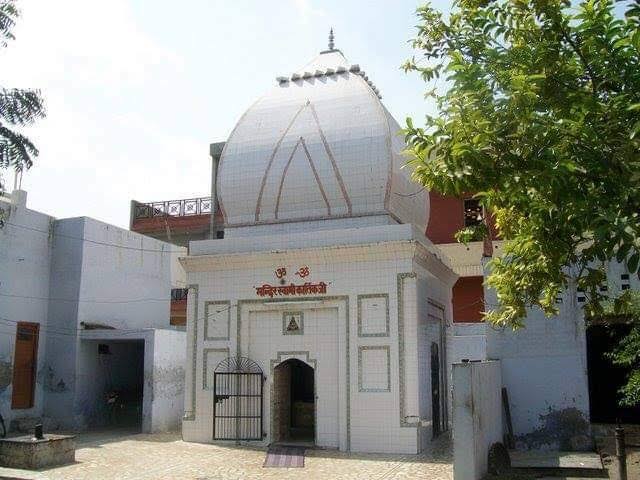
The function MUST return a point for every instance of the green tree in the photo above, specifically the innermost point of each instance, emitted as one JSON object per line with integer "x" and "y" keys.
{"x": 18, "y": 107}
{"x": 541, "y": 117}
{"x": 627, "y": 353}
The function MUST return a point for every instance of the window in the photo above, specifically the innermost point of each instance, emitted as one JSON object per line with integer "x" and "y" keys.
{"x": 626, "y": 285}
{"x": 179, "y": 294}
{"x": 472, "y": 212}
{"x": 178, "y": 315}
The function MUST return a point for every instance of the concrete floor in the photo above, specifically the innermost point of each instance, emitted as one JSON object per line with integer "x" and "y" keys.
{"x": 554, "y": 459}
{"x": 165, "y": 456}
{"x": 607, "y": 448}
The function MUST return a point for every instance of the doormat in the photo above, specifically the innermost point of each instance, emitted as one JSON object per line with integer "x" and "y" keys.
{"x": 284, "y": 457}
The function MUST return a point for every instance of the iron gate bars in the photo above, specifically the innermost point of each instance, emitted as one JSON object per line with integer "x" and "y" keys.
{"x": 238, "y": 387}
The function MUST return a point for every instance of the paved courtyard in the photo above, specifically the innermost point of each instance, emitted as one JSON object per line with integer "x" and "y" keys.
{"x": 166, "y": 456}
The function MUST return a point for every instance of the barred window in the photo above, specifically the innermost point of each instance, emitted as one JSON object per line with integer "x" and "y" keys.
{"x": 179, "y": 293}
{"x": 472, "y": 212}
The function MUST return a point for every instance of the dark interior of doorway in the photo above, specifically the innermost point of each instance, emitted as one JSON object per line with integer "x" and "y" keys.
{"x": 302, "y": 426}
{"x": 293, "y": 404}
{"x": 605, "y": 378}
{"x": 122, "y": 365}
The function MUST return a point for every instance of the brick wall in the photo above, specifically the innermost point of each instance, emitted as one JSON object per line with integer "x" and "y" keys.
{"x": 468, "y": 300}
{"x": 446, "y": 218}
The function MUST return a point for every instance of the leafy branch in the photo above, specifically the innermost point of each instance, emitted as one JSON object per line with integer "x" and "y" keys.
{"x": 18, "y": 107}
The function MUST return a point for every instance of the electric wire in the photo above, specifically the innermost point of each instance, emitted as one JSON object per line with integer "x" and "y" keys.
{"x": 57, "y": 299}
{"x": 169, "y": 249}
{"x": 73, "y": 332}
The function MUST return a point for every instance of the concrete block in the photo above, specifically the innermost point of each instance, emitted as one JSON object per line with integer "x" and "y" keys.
{"x": 477, "y": 416}
{"x": 28, "y": 453}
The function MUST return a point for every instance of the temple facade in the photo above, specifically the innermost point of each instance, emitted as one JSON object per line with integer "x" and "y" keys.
{"x": 331, "y": 299}
{"x": 321, "y": 316}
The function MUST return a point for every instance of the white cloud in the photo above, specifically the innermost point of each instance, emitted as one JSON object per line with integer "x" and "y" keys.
{"x": 102, "y": 142}
{"x": 306, "y": 10}
{"x": 95, "y": 43}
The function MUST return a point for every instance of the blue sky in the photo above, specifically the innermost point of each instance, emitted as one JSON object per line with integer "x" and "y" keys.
{"x": 136, "y": 90}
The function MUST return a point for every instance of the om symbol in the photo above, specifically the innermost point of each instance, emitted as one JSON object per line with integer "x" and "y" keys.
{"x": 303, "y": 272}
{"x": 281, "y": 272}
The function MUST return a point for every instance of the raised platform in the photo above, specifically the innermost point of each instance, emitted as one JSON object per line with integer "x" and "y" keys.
{"x": 26, "y": 452}
{"x": 555, "y": 463}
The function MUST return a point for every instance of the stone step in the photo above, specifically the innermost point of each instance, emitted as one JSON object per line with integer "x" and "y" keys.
{"x": 564, "y": 478}
{"x": 558, "y": 464}
{"x": 561, "y": 473}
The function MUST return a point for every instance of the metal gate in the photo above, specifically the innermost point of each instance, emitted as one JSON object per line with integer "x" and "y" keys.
{"x": 238, "y": 386}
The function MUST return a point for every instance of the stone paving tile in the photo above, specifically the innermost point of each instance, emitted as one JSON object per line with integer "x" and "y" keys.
{"x": 166, "y": 456}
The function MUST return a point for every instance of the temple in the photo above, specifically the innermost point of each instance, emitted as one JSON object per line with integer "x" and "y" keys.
{"x": 327, "y": 298}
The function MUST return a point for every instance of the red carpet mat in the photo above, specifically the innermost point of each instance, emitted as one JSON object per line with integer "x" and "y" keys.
{"x": 284, "y": 457}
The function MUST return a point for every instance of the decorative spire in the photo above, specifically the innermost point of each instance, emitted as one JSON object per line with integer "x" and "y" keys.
{"x": 331, "y": 44}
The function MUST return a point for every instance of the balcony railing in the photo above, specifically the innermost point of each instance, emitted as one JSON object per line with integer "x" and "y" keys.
{"x": 173, "y": 208}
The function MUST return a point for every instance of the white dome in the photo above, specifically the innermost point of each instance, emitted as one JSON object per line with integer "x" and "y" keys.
{"x": 319, "y": 145}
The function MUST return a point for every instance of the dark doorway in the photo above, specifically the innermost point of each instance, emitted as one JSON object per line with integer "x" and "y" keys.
{"x": 120, "y": 373}
{"x": 435, "y": 390}
{"x": 605, "y": 378}
{"x": 293, "y": 403}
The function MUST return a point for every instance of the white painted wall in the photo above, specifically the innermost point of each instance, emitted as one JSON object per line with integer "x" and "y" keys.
{"x": 353, "y": 262}
{"x": 60, "y": 273}
{"x": 25, "y": 252}
{"x": 126, "y": 278}
{"x": 62, "y": 342}
{"x": 544, "y": 368}
{"x": 178, "y": 275}
{"x": 477, "y": 416}
{"x": 169, "y": 356}
{"x": 616, "y": 284}
{"x": 468, "y": 341}
{"x": 321, "y": 338}
{"x": 289, "y": 228}
{"x": 101, "y": 274}
{"x": 356, "y": 276}
{"x": 432, "y": 290}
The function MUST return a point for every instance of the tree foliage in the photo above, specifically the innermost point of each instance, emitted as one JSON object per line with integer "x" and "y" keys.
{"x": 18, "y": 107}
{"x": 541, "y": 118}
{"x": 627, "y": 353}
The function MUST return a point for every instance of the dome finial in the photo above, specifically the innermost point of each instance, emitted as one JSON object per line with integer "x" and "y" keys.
{"x": 331, "y": 44}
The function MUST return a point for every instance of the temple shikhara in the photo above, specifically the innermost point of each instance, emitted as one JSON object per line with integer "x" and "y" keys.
{"x": 326, "y": 298}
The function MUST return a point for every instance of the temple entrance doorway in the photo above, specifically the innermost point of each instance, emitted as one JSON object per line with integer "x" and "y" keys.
{"x": 293, "y": 404}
